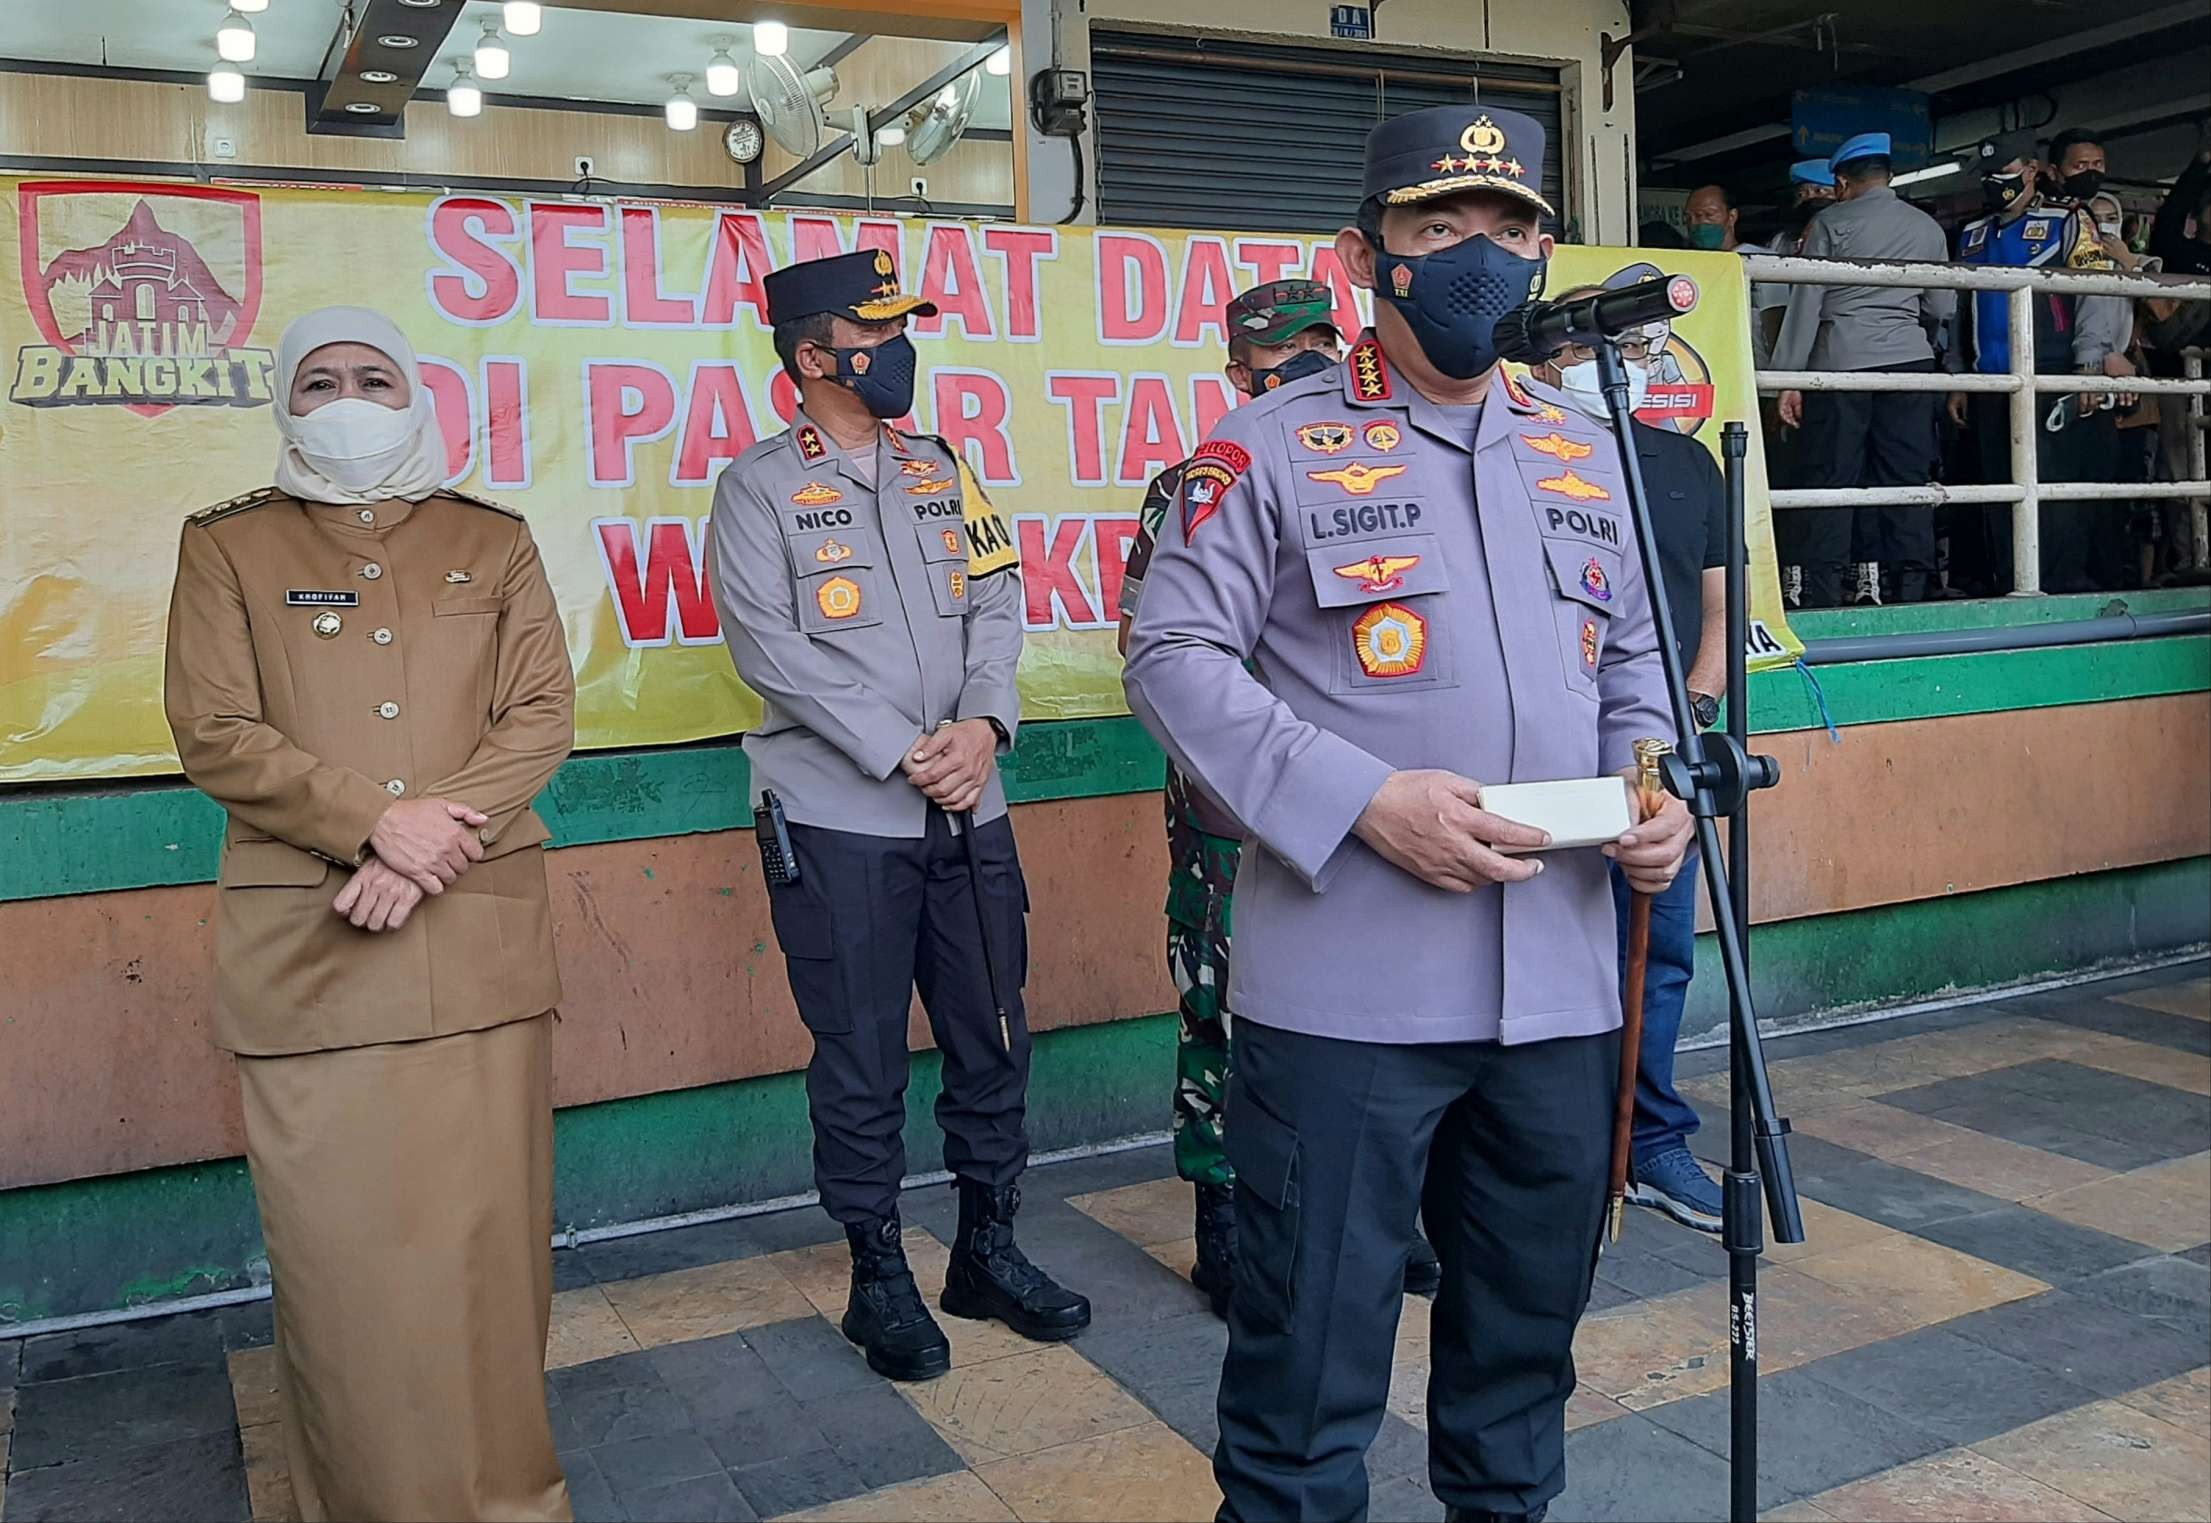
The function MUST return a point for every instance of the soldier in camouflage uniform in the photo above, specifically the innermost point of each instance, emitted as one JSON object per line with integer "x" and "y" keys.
{"x": 1278, "y": 332}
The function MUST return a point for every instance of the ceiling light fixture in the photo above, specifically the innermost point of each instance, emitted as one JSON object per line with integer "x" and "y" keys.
{"x": 421, "y": 5}
{"x": 1931, "y": 172}
{"x": 256, "y": 6}
{"x": 363, "y": 107}
{"x": 462, "y": 97}
{"x": 892, "y": 135}
{"x": 681, "y": 110}
{"x": 999, "y": 63}
{"x": 379, "y": 77}
{"x": 226, "y": 84}
{"x": 523, "y": 17}
{"x": 234, "y": 39}
{"x": 771, "y": 39}
{"x": 492, "y": 58}
{"x": 398, "y": 42}
{"x": 722, "y": 74}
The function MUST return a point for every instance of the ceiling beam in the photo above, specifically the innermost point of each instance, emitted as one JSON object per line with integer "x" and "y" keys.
{"x": 342, "y": 100}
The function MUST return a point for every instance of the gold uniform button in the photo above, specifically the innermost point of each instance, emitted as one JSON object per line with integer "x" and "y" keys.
{"x": 327, "y": 625}
{"x": 367, "y": 515}
{"x": 371, "y": 572}
{"x": 388, "y": 709}
{"x": 382, "y": 637}
{"x": 395, "y": 787}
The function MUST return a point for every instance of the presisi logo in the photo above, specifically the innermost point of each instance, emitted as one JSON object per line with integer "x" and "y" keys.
{"x": 145, "y": 295}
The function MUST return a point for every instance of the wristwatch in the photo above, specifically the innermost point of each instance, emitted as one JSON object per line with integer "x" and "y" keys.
{"x": 1704, "y": 709}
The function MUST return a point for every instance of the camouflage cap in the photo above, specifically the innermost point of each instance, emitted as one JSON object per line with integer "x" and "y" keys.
{"x": 1280, "y": 310}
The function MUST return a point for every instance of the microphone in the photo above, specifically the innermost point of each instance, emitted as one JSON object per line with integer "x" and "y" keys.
{"x": 1532, "y": 333}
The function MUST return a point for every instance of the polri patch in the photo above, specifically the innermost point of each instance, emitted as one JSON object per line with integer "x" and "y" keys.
{"x": 1595, "y": 582}
{"x": 1390, "y": 640}
{"x": 838, "y": 598}
{"x": 317, "y": 597}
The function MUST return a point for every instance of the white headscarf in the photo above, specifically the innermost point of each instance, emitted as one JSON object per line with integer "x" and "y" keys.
{"x": 326, "y": 458}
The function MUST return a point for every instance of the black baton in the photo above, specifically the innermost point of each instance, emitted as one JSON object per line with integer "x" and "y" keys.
{"x": 964, "y": 823}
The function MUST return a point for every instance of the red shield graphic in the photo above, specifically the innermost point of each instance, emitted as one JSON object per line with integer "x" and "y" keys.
{"x": 126, "y": 261}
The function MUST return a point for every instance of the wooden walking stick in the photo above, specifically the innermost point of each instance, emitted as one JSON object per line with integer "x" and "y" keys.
{"x": 1650, "y": 797}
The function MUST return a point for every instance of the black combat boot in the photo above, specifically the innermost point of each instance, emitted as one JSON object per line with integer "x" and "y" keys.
{"x": 886, "y": 1316}
{"x": 1423, "y": 1273}
{"x": 1215, "y": 1271}
{"x": 991, "y": 1277}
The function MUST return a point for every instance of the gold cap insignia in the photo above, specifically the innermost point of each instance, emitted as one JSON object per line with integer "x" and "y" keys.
{"x": 883, "y": 265}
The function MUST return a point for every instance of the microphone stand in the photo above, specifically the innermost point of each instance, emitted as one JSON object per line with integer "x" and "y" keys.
{"x": 1715, "y": 775}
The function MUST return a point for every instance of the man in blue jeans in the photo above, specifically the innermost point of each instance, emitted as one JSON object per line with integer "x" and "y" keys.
{"x": 1689, "y": 516}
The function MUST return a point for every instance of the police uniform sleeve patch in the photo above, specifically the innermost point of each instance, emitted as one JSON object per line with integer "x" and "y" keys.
{"x": 223, "y": 510}
{"x": 1204, "y": 484}
{"x": 1234, "y": 456}
{"x": 990, "y": 546}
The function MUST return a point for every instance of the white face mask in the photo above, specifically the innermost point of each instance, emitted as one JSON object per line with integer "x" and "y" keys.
{"x": 1586, "y": 392}
{"x": 355, "y": 442}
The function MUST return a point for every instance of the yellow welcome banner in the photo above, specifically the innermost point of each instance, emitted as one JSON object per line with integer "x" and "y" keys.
{"x": 596, "y": 364}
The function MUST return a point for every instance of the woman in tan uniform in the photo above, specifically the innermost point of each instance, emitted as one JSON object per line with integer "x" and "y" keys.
{"x": 368, "y": 672}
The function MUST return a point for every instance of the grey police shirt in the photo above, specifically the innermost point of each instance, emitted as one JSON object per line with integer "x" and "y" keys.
{"x": 862, "y": 615}
{"x": 1866, "y": 327}
{"x": 1409, "y": 596}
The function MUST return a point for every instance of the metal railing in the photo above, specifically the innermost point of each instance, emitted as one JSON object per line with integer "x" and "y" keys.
{"x": 2026, "y": 491}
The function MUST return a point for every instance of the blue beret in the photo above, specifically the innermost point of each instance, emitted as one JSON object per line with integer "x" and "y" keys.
{"x": 1865, "y": 145}
{"x": 1811, "y": 172}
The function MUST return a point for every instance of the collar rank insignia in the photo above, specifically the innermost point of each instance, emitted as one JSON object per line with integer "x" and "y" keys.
{"x": 816, "y": 494}
{"x": 1515, "y": 393}
{"x": 1325, "y": 438}
{"x": 1567, "y": 484}
{"x": 1382, "y": 436}
{"x": 1560, "y": 448}
{"x": 1595, "y": 582}
{"x": 1390, "y": 640}
{"x": 832, "y": 551}
{"x": 1381, "y": 573}
{"x": 810, "y": 446}
{"x": 1359, "y": 478}
{"x": 1370, "y": 374}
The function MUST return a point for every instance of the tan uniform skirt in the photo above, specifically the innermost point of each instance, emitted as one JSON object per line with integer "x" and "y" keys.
{"x": 406, "y": 1195}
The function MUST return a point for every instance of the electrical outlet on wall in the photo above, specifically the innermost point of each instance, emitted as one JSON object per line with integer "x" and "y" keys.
{"x": 921, "y": 188}
{"x": 584, "y": 166}
{"x": 224, "y": 148}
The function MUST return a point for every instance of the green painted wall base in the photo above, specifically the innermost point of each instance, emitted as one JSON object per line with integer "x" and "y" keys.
{"x": 141, "y": 1238}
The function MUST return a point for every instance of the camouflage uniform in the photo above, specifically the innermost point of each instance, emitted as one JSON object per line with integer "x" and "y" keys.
{"x": 1203, "y": 845}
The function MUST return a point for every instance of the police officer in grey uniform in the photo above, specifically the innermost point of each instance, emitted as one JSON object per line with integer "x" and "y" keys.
{"x": 1433, "y": 571}
{"x": 872, "y": 598}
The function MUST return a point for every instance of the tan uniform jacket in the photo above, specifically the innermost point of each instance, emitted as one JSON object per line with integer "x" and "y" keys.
{"x": 322, "y": 662}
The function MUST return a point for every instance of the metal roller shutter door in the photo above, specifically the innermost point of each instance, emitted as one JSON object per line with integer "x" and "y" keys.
{"x": 1199, "y": 132}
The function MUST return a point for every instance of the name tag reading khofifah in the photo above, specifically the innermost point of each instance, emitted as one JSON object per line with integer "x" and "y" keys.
{"x": 315, "y": 597}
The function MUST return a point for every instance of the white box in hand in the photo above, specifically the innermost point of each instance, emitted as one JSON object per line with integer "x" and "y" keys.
{"x": 1577, "y": 811}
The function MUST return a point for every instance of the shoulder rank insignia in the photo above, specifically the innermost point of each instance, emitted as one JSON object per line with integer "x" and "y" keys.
{"x": 223, "y": 510}
{"x": 1558, "y": 446}
{"x": 1370, "y": 373}
{"x": 483, "y": 502}
{"x": 810, "y": 446}
{"x": 1380, "y": 573}
{"x": 1358, "y": 478}
{"x": 1567, "y": 484}
{"x": 1325, "y": 438}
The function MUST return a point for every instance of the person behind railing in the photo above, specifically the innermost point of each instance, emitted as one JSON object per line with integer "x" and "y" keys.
{"x": 2032, "y": 224}
{"x": 1856, "y": 439}
{"x": 1812, "y": 186}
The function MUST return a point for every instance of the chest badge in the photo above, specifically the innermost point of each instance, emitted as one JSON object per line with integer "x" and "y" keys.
{"x": 1567, "y": 484}
{"x": 1589, "y": 644}
{"x": 952, "y": 541}
{"x": 1358, "y": 478}
{"x": 2036, "y": 230}
{"x": 918, "y": 467}
{"x": 1390, "y": 640}
{"x": 1383, "y": 437}
{"x": 1325, "y": 438}
{"x": 931, "y": 486}
{"x": 1549, "y": 413}
{"x": 458, "y": 578}
{"x": 1595, "y": 582}
{"x": 317, "y": 597}
{"x": 832, "y": 551}
{"x": 958, "y": 584}
{"x": 1560, "y": 448}
{"x": 1381, "y": 573}
{"x": 816, "y": 494}
{"x": 327, "y": 625}
{"x": 838, "y": 598}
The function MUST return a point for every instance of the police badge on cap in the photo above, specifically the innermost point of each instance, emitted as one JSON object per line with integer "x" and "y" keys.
{"x": 862, "y": 285}
{"x": 1445, "y": 150}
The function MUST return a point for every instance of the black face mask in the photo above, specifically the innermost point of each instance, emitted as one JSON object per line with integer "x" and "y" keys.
{"x": 882, "y": 377}
{"x": 1296, "y": 368}
{"x": 2084, "y": 184}
{"x": 1451, "y": 299}
{"x": 2002, "y": 192}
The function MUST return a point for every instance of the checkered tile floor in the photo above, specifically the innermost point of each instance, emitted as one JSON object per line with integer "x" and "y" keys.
{"x": 2003, "y": 1311}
